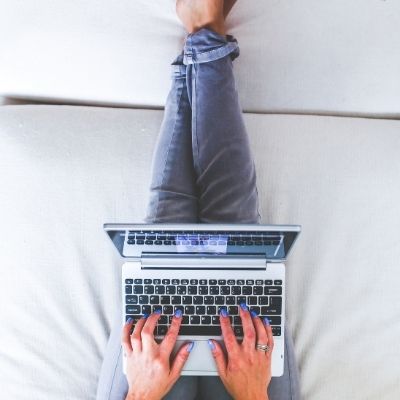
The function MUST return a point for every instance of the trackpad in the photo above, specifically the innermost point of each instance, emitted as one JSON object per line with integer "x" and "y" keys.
{"x": 200, "y": 359}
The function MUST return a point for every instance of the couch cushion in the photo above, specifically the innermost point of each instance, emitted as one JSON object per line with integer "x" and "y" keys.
{"x": 67, "y": 170}
{"x": 338, "y": 57}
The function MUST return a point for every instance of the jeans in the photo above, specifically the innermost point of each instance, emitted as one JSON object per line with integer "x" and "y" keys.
{"x": 202, "y": 171}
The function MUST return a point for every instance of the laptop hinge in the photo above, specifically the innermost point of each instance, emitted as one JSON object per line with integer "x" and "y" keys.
{"x": 189, "y": 262}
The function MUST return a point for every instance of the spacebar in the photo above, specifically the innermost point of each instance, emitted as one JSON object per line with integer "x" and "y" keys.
{"x": 200, "y": 330}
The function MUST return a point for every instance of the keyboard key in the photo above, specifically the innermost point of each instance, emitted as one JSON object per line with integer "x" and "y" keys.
{"x": 163, "y": 320}
{"x": 128, "y": 289}
{"x": 219, "y": 300}
{"x": 148, "y": 242}
{"x": 259, "y": 281}
{"x": 221, "y": 308}
{"x": 237, "y": 320}
{"x": 277, "y": 282}
{"x": 197, "y": 299}
{"x": 273, "y": 290}
{"x": 134, "y": 317}
{"x": 246, "y": 290}
{"x": 139, "y": 241}
{"x": 263, "y": 300}
{"x": 225, "y": 290}
{"x": 207, "y": 330}
{"x": 130, "y": 241}
{"x": 146, "y": 309}
{"x": 230, "y": 300}
{"x": 176, "y": 308}
{"x": 212, "y": 282}
{"x": 205, "y": 320}
{"x": 268, "y": 282}
{"x": 252, "y": 300}
{"x": 168, "y": 310}
{"x": 236, "y": 290}
{"x": 194, "y": 281}
{"x": 256, "y": 309}
{"x": 273, "y": 319}
{"x": 276, "y": 331}
{"x": 257, "y": 290}
{"x": 162, "y": 330}
{"x": 231, "y": 282}
{"x": 189, "y": 310}
{"x": 208, "y": 299}
{"x": 156, "y": 281}
{"x": 138, "y": 281}
{"x": 176, "y": 300}
{"x": 154, "y": 299}
{"x": 166, "y": 281}
{"x": 131, "y": 299}
{"x": 165, "y": 299}
{"x": 200, "y": 310}
{"x": 133, "y": 309}
{"x": 159, "y": 289}
{"x": 203, "y": 289}
{"x": 238, "y": 331}
{"x": 240, "y": 300}
{"x": 221, "y": 281}
{"x": 129, "y": 281}
{"x": 185, "y": 320}
{"x": 195, "y": 319}
{"x": 157, "y": 308}
{"x": 192, "y": 289}
{"x": 203, "y": 282}
{"x": 271, "y": 310}
{"x": 175, "y": 281}
{"x": 215, "y": 320}
{"x": 211, "y": 310}
{"x": 214, "y": 289}
{"x": 181, "y": 290}
{"x": 170, "y": 290}
{"x": 233, "y": 310}
{"x": 240, "y": 282}
{"x": 184, "y": 282}
{"x": 187, "y": 299}
{"x": 149, "y": 289}
{"x": 250, "y": 282}
{"x": 137, "y": 289}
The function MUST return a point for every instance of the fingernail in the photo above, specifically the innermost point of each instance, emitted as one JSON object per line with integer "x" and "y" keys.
{"x": 145, "y": 316}
{"x": 158, "y": 311}
{"x": 129, "y": 321}
{"x": 178, "y": 313}
{"x": 223, "y": 312}
{"x": 266, "y": 321}
{"x": 211, "y": 344}
{"x": 190, "y": 347}
{"x": 243, "y": 306}
{"x": 254, "y": 313}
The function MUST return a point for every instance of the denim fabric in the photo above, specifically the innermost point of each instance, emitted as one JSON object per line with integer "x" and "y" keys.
{"x": 202, "y": 171}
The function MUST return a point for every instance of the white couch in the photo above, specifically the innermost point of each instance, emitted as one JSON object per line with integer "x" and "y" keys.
{"x": 65, "y": 170}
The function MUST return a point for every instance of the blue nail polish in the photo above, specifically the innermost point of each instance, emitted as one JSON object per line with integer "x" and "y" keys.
{"x": 211, "y": 344}
{"x": 243, "y": 306}
{"x": 158, "y": 311}
{"x": 254, "y": 313}
{"x": 178, "y": 313}
{"x": 145, "y": 316}
{"x": 266, "y": 321}
{"x": 223, "y": 312}
{"x": 129, "y": 320}
{"x": 190, "y": 347}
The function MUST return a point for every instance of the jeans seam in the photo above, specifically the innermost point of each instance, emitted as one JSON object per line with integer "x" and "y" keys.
{"x": 169, "y": 148}
{"x": 115, "y": 370}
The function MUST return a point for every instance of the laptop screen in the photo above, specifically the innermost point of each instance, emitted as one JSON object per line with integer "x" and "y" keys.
{"x": 272, "y": 242}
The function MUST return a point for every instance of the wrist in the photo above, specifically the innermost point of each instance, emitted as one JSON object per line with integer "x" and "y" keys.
{"x": 138, "y": 396}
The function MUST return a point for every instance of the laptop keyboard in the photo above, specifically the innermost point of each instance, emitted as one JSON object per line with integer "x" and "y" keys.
{"x": 201, "y": 300}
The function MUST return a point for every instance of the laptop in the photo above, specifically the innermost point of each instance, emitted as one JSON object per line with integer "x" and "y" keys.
{"x": 201, "y": 268}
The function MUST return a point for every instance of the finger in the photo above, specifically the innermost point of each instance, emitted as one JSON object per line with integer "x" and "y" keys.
{"x": 180, "y": 359}
{"x": 147, "y": 333}
{"x": 231, "y": 344}
{"x": 249, "y": 332}
{"x": 136, "y": 340}
{"x": 219, "y": 357}
{"x": 125, "y": 338}
{"x": 169, "y": 340}
{"x": 268, "y": 329}
{"x": 262, "y": 337}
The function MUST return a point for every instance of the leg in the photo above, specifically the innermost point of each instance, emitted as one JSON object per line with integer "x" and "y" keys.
{"x": 173, "y": 198}
{"x": 224, "y": 165}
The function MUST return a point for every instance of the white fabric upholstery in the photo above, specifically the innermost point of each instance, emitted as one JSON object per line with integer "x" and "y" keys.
{"x": 67, "y": 170}
{"x": 297, "y": 56}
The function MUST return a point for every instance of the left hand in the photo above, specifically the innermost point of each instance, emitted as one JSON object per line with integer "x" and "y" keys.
{"x": 150, "y": 374}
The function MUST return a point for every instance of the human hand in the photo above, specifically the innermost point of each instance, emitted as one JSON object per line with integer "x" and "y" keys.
{"x": 149, "y": 372}
{"x": 246, "y": 373}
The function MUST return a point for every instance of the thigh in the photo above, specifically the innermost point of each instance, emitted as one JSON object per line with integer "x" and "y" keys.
{"x": 173, "y": 191}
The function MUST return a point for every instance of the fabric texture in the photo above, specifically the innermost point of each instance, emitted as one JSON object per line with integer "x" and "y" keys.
{"x": 67, "y": 170}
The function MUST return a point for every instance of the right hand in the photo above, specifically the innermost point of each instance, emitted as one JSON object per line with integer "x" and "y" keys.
{"x": 246, "y": 373}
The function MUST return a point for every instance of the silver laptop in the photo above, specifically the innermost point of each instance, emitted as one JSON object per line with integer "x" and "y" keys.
{"x": 201, "y": 268}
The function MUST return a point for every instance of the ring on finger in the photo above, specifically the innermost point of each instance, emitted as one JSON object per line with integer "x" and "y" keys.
{"x": 263, "y": 347}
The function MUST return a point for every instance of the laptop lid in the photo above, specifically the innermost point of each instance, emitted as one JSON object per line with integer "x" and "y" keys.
{"x": 270, "y": 242}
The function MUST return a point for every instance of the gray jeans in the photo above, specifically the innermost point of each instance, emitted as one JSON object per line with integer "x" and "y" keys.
{"x": 202, "y": 171}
